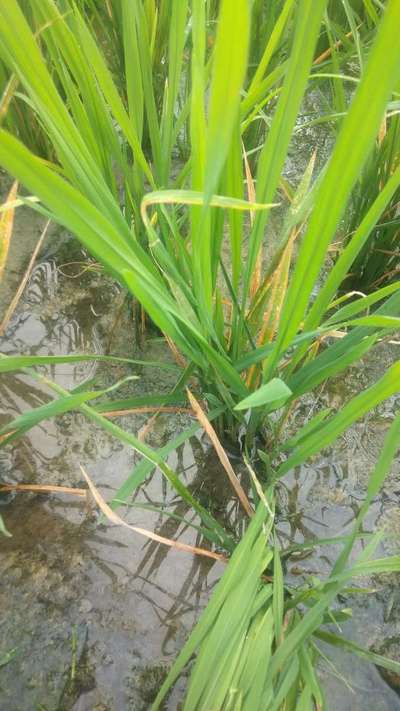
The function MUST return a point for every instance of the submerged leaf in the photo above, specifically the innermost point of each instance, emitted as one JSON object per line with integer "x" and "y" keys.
{"x": 3, "y": 529}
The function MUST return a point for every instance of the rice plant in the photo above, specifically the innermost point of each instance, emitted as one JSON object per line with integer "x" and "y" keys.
{"x": 378, "y": 262}
{"x": 15, "y": 113}
{"x": 151, "y": 173}
{"x": 234, "y": 319}
{"x": 257, "y": 640}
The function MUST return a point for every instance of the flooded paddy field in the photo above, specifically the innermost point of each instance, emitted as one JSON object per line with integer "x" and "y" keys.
{"x": 92, "y": 615}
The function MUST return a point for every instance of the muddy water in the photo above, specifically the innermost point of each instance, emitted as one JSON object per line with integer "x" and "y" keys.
{"x": 93, "y": 615}
{"x": 322, "y": 499}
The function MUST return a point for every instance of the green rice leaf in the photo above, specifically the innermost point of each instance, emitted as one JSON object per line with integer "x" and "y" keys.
{"x": 354, "y": 143}
{"x": 356, "y": 408}
{"x": 276, "y": 391}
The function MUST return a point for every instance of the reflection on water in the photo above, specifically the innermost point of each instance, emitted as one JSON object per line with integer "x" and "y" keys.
{"x": 61, "y": 571}
{"x": 76, "y": 595}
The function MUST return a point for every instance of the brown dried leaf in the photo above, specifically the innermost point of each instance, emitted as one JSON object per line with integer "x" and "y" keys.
{"x": 321, "y": 58}
{"x": 6, "y": 227}
{"x": 43, "y": 488}
{"x": 144, "y": 410}
{"x": 17, "y": 296}
{"x": 178, "y": 356}
{"x": 114, "y": 518}
{"x": 221, "y": 453}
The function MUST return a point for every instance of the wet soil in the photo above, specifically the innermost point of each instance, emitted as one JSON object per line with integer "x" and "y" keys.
{"x": 91, "y": 615}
